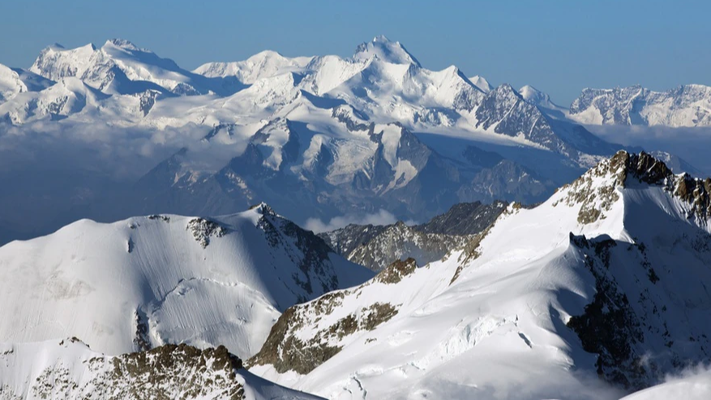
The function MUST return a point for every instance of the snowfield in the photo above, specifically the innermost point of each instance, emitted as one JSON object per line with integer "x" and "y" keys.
{"x": 147, "y": 281}
{"x": 613, "y": 264}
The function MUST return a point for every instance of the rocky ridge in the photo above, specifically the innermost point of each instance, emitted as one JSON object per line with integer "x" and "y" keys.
{"x": 378, "y": 246}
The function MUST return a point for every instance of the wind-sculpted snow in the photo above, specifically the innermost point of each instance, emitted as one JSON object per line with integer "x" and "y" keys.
{"x": 543, "y": 303}
{"x": 166, "y": 279}
{"x": 69, "y": 369}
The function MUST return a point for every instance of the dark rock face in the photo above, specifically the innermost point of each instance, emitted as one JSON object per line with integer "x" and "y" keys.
{"x": 378, "y": 246}
{"x": 638, "y": 330}
{"x": 645, "y": 168}
{"x": 287, "y": 352}
{"x": 399, "y": 242}
{"x": 609, "y": 326}
{"x": 626, "y": 168}
{"x": 518, "y": 184}
{"x": 394, "y": 272}
{"x": 343, "y": 241}
{"x": 464, "y": 218}
{"x": 514, "y": 116}
{"x": 202, "y": 229}
{"x": 314, "y": 254}
{"x": 169, "y": 371}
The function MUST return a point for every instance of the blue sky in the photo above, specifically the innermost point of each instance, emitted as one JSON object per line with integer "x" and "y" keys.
{"x": 557, "y": 46}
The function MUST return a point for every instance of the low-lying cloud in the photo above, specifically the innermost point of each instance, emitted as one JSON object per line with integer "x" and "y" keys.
{"x": 382, "y": 217}
{"x": 691, "y": 144}
{"x": 691, "y": 384}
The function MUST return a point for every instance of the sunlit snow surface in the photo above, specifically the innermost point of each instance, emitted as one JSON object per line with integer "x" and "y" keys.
{"x": 499, "y": 330}
{"x": 151, "y": 279}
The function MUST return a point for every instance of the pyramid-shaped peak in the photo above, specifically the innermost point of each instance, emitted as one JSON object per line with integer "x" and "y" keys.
{"x": 481, "y": 83}
{"x": 535, "y": 96}
{"x": 381, "y": 39}
{"x": 384, "y": 49}
{"x": 263, "y": 209}
{"x": 505, "y": 90}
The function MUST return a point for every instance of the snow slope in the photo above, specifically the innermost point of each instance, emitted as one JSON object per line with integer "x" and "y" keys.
{"x": 148, "y": 281}
{"x": 695, "y": 385}
{"x": 16, "y": 80}
{"x": 69, "y": 369}
{"x": 535, "y": 96}
{"x": 481, "y": 83}
{"x": 262, "y": 65}
{"x": 606, "y": 278}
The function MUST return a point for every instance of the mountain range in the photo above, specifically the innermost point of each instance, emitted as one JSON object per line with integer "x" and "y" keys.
{"x": 482, "y": 242}
{"x": 598, "y": 291}
{"x": 347, "y": 136}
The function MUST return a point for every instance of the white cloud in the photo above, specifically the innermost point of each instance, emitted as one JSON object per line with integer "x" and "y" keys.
{"x": 692, "y": 384}
{"x": 382, "y": 217}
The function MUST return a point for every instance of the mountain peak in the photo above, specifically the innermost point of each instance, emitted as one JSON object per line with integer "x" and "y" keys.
{"x": 263, "y": 209}
{"x": 384, "y": 49}
{"x": 536, "y": 97}
{"x": 642, "y": 166}
{"x": 597, "y": 190}
{"x": 617, "y": 169}
{"x": 382, "y": 39}
{"x": 123, "y": 44}
{"x": 481, "y": 83}
{"x": 506, "y": 90}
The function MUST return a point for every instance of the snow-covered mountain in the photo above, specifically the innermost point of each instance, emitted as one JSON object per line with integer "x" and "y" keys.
{"x": 259, "y": 66}
{"x": 120, "y": 67}
{"x": 166, "y": 279}
{"x": 684, "y": 106}
{"x": 347, "y": 136}
{"x": 69, "y": 369}
{"x": 607, "y": 278}
{"x": 481, "y": 83}
{"x": 535, "y": 96}
{"x": 376, "y": 247}
{"x": 14, "y": 81}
